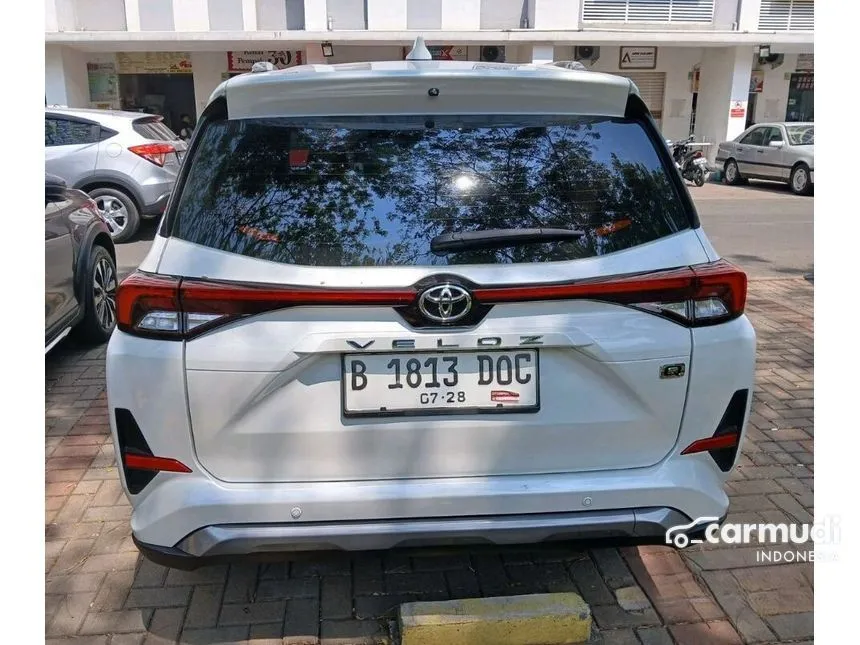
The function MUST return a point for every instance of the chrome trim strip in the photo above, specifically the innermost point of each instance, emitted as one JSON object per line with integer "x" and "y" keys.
{"x": 241, "y": 539}
{"x": 57, "y": 340}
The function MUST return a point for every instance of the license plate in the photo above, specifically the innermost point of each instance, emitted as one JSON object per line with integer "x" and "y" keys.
{"x": 440, "y": 383}
{"x": 701, "y": 162}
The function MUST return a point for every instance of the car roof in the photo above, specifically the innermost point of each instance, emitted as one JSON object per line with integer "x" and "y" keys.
{"x": 97, "y": 115}
{"x": 401, "y": 87}
{"x": 806, "y": 124}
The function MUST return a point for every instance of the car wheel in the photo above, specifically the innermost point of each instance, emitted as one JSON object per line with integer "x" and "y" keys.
{"x": 100, "y": 285}
{"x": 799, "y": 180}
{"x": 119, "y": 211}
{"x": 732, "y": 173}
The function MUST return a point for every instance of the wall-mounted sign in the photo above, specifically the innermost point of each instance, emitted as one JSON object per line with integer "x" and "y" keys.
{"x": 805, "y": 62}
{"x": 154, "y": 63}
{"x": 737, "y": 109}
{"x": 244, "y": 61}
{"x": 637, "y": 58}
{"x": 103, "y": 82}
{"x": 444, "y": 52}
{"x": 756, "y": 82}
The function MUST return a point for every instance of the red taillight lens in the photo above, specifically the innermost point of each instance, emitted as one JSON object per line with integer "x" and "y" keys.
{"x": 154, "y": 152}
{"x": 149, "y": 299}
{"x": 703, "y": 294}
{"x": 168, "y": 307}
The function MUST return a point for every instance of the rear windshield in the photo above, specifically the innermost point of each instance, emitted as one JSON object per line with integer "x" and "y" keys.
{"x": 801, "y": 135}
{"x": 370, "y": 191}
{"x": 154, "y": 129}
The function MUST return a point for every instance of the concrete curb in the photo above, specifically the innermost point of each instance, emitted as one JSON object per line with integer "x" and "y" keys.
{"x": 540, "y": 619}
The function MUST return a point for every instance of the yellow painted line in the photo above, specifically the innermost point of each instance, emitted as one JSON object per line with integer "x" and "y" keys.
{"x": 540, "y": 619}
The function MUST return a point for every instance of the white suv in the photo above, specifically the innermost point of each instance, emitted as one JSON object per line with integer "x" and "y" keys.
{"x": 417, "y": 302}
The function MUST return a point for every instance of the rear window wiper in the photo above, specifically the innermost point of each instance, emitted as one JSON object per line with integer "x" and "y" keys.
{"x": 499, "y": 238}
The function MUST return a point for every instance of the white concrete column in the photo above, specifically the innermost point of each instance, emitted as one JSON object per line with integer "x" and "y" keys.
{"x": 386, "y": 15}
{"x": 249, "y": 15}
{"x": 316, "y": 15}
{"x": 557, "y": 14}
{"x": 749, "y": 13}
{"x": 461, "y": 15}
{"x": 66, "y": 81}
{"x": 191, "y": 15}
{"x": 51, "y": 23}
{"x": 723, "y": 94}
{"x": 208, "y": 68}
{"x": 132, "y": 15}
{"x": 543, "y": 54}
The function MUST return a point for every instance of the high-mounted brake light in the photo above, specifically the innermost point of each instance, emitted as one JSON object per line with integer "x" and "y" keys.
{"x": 176, "y": 308}
{"x": 154, "y": 152}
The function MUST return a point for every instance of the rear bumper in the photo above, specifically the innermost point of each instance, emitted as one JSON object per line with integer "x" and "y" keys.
{"x": 155, "y": 208}
{"x": 215, "y": 543}
{"x": 200, "y": 516}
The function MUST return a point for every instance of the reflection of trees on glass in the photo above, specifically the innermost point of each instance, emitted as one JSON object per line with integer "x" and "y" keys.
{"x": 355, "y": 192}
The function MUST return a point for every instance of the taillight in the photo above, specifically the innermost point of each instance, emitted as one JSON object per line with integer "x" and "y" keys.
{"x": 695, "y": 296}
{"x": 176, "y": 308}
{"x": 154, "y": 152}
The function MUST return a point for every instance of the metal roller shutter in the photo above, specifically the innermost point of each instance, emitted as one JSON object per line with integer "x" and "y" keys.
{"x": 652, "y": 86}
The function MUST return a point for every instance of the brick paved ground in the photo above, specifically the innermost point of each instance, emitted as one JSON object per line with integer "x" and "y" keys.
{"x": 100, "y": 591}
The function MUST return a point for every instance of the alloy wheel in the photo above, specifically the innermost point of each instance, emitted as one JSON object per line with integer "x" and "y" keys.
{"x": 114, "y": 213}
{"x": 104, "y": 293}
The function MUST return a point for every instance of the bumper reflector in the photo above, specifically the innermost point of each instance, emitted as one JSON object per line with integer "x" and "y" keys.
{"x": 161, "y": 464}
{"x": 712, "y": 443}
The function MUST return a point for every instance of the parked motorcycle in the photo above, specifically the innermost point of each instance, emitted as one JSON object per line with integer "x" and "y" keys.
{"x": 691, "y": 163}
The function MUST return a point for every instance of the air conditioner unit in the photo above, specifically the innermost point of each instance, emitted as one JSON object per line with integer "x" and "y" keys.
{"x": 586, "y": 53}
{"x": 774, "y": 60}
{"x": 492, "y": 54}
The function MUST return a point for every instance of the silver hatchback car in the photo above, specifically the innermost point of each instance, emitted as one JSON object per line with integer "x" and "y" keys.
{"x": 126, "y": 161}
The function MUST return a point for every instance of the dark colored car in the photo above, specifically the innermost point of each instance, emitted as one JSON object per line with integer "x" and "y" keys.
{"x": 80, "y": 267}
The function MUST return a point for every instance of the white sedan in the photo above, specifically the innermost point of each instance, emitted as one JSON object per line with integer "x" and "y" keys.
{"x": 774, "y": 151}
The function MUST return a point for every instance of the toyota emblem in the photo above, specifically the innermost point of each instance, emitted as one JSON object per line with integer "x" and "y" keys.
{"x": 445, "y": 303}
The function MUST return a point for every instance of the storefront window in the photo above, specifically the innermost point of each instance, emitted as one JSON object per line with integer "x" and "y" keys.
{"x": 801, "y": 101}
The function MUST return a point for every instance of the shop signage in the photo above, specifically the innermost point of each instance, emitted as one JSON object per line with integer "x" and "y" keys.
{"x": 737, "y": 110}
{"x": 244, "y": 61}
{"x": 154, "y": 63}
{"x": 103, "y": 82}
{"x": 803, "y": 81}
{"x": 757, "y": 82}
{"x": 444, "y": 52}
{"x": 805, "y": 62}
{"x": 637, "y": 58}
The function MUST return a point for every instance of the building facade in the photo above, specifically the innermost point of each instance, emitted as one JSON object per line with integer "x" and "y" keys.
{"x": 707, "y": 67}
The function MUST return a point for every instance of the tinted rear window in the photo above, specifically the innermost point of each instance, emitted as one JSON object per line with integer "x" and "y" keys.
{"x": 376, "y": 191}
{"x": 154, "y": 129}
